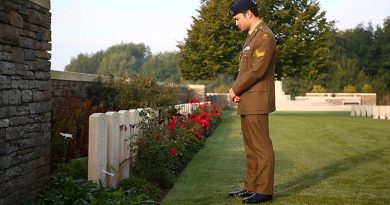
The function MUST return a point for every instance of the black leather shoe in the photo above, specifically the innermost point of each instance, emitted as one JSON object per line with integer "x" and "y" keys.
{"x": 257, "y": 198}
{"x": 241, "y": 193}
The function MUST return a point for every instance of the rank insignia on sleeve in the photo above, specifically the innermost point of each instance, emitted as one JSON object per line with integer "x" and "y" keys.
{"x": 259, "y": 54}
{"x": 265, "y": 36}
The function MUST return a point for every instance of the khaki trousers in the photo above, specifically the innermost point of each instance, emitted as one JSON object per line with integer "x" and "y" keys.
{"x": 259, "y": 154}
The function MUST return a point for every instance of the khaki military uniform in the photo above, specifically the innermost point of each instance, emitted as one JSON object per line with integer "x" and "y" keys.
{"x": 255, "y": 85}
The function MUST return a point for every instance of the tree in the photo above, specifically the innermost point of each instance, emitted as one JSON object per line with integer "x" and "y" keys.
{"x": 162, "y": 66}
{"x": 124, "y": 59}
{"x": 85, "y": 63}
{"x": 213, "y": 43}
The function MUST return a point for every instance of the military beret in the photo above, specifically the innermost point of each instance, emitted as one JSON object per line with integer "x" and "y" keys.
{"x": 241, "y": 6}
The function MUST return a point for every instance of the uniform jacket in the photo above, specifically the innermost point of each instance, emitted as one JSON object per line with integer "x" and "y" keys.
{"x": 255, "y": 83}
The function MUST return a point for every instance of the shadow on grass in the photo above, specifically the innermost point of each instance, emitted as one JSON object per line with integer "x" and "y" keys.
{"x": 316, "y": 176}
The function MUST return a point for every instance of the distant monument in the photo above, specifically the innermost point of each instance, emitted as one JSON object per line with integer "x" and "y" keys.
{"x": 321, "y": 101}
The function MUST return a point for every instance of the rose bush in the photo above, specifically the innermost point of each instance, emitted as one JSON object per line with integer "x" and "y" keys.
{"x": 169, "y": 141}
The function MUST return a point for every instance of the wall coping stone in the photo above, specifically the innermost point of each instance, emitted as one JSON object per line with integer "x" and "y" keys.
{"x": 43, "y": 3}
{"x": 72, "y": 76}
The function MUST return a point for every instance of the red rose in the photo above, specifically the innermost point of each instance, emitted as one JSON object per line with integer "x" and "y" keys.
{"x": 173, "y": 152}
{"x": 194, "y": 100}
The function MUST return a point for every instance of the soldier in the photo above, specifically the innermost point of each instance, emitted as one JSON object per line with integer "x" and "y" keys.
{"x": 254, "y": 91}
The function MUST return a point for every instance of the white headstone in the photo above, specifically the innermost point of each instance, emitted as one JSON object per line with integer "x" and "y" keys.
{"x": 97, "y": 148}
{"x": 358, "y": 110}
{"x": 353, "y": 110}
{"x": 113, "y": 148}
{"x": 382, "y": 112}
{"x": 124, "y": 144}
{"x": 369, "y": 110}
{"x": 135, "y": 132}
{"x": 375, "y": 112}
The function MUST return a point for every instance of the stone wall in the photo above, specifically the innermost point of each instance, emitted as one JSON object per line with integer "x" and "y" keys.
{"x": 25, "y": 99}
{"x": 77, "y": 84}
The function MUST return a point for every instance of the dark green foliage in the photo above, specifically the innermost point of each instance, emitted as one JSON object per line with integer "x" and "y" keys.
{"x": 127, "y": 59}
{"x": 69, "y": 191}
{"x": 213, "y": 43}
{"x": 162, "y": 66}
{"x": 141, "y": 186}
{"x": 358, "y": 57}
{"x": 124, "y": 59}
{"x": 135, "y": 91}
{"x": 76, "y": 168}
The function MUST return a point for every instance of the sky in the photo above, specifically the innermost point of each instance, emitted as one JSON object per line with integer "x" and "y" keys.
{"x": 88, "y": 26}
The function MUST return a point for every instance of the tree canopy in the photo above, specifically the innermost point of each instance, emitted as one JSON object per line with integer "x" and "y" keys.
{"x": 213, "y": 43}
{"x": 127, "y": 58}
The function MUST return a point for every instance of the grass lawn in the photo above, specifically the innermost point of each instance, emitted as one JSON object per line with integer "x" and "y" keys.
{"x": 321, "y": 158}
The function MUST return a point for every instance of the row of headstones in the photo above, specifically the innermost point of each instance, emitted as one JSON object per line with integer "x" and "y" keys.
{"x": 112, "y": 142}
{"x": 376, "y": 112}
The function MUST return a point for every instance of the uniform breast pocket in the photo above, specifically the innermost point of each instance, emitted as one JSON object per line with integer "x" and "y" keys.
{"x": 245, "y": 60}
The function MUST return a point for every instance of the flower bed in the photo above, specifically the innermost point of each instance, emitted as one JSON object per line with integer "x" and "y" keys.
{"x": 167, "y": 144}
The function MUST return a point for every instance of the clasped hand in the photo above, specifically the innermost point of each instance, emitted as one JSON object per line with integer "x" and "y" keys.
{"x": 233, "y": 96}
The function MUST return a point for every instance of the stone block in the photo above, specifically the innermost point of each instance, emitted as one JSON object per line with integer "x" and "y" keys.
{"x": 44, "y": 36}
{"x": 38, "y": 96}
{"x": 7, "y": 68}
{"x": 32, "y": 84}
{"x": 5, "y": 162}
{"x": 1, "y": 8}
{"x": 42, "y": 107}
{"x": 19, "y": 84}
{"x": 9, "y": 34}
{"x": 4, "y": 17}
{"x": 16, "y": 19}
{"x": 42, "y": 75}
{"x": 17, "y": 121}
{"x": 46, "y": 46}
{"x": 26, "y": 96}
{"x": 5, "y": 56}
{"x": 18, "y": 55}
{"x": 42, "y": 65}
{"x": 12, "y": 133}
{"x": 29, "y": 54}
{"x": 43, "y": 55}
{"x": 5, "y": 82}
{"x": 14, "y": 97}
{"x": 4, "y": 123}
{"x": 10, "y": 5}
{"x": 30, "y": 27}
{"x": 6, "y": 148}
{"x": 29, "y": 76}
{"x": 27, "y": 33}
{"x": 29, "y": 43}
{"x": 3, "y": 111}
{"x": 44, "y": 85}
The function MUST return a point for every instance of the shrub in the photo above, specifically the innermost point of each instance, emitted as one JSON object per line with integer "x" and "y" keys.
{"x": 349, "y": 89}
{"x": 140, "y": 186}
{"x": 367, "y": 88}
{"x": 318, "y": 89}
{"x": 134, "y": 91}
{"x": 76, "y": 168}
{"x": 67, "y": 190}
{"x": 169, "y": 141}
